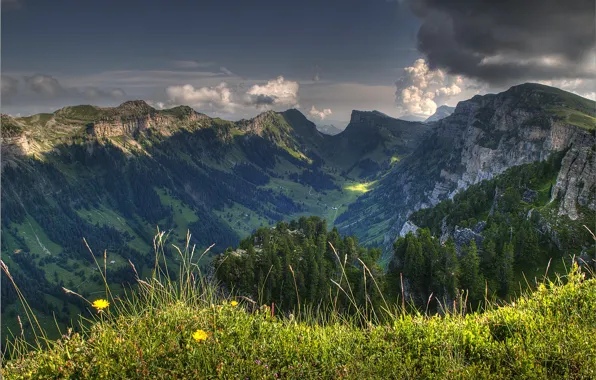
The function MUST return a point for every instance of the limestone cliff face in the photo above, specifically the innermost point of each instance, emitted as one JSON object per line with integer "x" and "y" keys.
{"x": 576, "y": 182}
{"x": 21, "y": 136}
{"x": 132, "y": 118}
{"x": 484, "y": 136}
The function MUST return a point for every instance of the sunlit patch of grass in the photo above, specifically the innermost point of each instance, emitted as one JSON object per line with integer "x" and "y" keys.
{"x": 363, "y": 187}
{"x": 395, "y": 159}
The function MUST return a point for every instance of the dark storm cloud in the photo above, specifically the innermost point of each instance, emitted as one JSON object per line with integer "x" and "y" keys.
{"x": 260, "y": 100}
{"x": 500, "y": 41}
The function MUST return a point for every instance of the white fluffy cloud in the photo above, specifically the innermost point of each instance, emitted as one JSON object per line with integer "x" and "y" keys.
{"x": 276, "y": 92}
{"x": 218, "y": 97}
{"x": 421, "y": 90}
{"x": 321, "y": 114}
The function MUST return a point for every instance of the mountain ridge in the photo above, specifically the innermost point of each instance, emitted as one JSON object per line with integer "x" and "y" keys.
{"x": 482, "y": 138}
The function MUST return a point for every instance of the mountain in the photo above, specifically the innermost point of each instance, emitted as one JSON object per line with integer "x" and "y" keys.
{"x": 484, "y": 137}
{"x": 410, "y": 117}
{"x": 112, "y": 175}
{"x": 369, "y": 139}
{"x": 329, "y": 129}
{"x": 441, "y": 113}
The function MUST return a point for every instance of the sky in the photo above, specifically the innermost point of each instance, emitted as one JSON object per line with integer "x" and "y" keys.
{"x": 234, "y": 59}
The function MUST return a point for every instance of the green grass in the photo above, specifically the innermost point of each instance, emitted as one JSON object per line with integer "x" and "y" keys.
{"x": 361, "y": 188}
{"x": 575, "y": 117}
{"x": 149, "y": 334}
{"x": 107, "y": 217}
{"x": 183, "y": 216}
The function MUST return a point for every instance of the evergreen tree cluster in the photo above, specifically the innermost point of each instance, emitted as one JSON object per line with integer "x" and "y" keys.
{"x": 295, "y": 262}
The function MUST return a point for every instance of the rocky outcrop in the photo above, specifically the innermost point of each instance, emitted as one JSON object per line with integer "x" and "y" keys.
{"x": 111, "y": 128}
{"x": 25, "y": 136}
{"x": 463, "y": 236}
{"x": 576, "y": 182}
{"x": 407, "y": 228}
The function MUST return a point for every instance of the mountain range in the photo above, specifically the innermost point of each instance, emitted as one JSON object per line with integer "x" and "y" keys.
{"x": 115, "y": 175}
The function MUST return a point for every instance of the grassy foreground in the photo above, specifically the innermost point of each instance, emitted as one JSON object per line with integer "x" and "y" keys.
{"x": 186, "y": 329}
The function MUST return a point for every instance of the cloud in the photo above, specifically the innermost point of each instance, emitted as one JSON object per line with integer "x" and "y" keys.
{"x": 505, "y": 42}
{"x": 9, "y": 87}
{"x": 321, "y": 114}
{"x": 420, "y": 90}
{"x": 192, "y": 64}
{"x": 218, "y": 97}
{"x": 316, "y": 77}
{"x": 156, "y": 104}
{"x": 344, "y": 97}
{"x": 41, "y": 86}
{"x": 278, "y": 92}
{"x": 226, "y": 99}
{"x": 227, "y": 72}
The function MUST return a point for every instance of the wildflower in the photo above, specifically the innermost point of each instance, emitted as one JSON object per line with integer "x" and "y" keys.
{"x": 100, "y": 304}
{"x": 234, "y": 303}
{"x": 200, "y": 335}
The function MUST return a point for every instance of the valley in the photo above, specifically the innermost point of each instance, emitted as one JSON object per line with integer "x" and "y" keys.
{"x": 115, "y": 175}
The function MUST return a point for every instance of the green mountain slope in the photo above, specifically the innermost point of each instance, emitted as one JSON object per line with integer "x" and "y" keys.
{"x": 113, "y": 175}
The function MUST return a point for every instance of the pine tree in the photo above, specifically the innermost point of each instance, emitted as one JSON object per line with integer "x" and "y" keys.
{"x": 470, "y": 277}
{"x": 451, "y": 269}
{"x": 505, "y": 267}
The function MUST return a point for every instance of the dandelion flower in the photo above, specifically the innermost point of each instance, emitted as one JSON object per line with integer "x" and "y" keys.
{"x": 100, "y": 304}
{"x": 234, "y": 303}
{"x": 200, "y": 335}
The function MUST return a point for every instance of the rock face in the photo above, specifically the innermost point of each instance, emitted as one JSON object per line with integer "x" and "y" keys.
{"x": 128, "y": 119}
{"x": 576, "y": 181}
{"x": 111, "y": 128}
{"x": 463, "y": 237}
{"x": 131, "y": 118}
{"x": 482, "y": 138}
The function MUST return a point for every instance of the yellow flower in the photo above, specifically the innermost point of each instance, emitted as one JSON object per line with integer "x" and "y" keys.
{"x": 234, "y": 303}
{"x": 200, "y": 335}
{"x": 100, "y": 304}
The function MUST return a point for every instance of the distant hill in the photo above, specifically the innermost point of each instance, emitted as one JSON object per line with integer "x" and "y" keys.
{"x": 329, "y": 129}
{"x": 441, "y": 113}
{"x": 410, "y": 117}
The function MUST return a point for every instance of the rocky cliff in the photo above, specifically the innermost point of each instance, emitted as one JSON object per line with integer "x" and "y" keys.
{"x": 482, "y": 138}
{"x": 41, "y": 133}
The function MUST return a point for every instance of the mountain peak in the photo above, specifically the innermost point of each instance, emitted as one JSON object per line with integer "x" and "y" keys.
{"x": 357, "y": 115}
{"x": 134, "y": 107}
{"x": 441, "y": 113}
